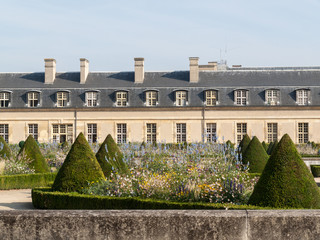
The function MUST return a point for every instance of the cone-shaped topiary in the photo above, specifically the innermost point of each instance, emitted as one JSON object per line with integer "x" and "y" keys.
{"x": 269, "y": 150}
{"x": 79, "y": 168}
{"x": 244, "y": 143}
{"x": 264, "y": 145}
{"x": 109, "y": 156}
{"x": 274, "y": 145}
{"x": 5, "y": 151}
{"x": 255, "y": 155}
{"x": 286, "y": 180}
{"x": 30, "y": 152}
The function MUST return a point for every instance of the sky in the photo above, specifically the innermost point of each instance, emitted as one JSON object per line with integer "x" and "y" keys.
{"x": 166, "y": 33}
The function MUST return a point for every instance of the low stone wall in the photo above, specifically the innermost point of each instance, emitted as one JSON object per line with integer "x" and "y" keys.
{"x": 160, "y": 224}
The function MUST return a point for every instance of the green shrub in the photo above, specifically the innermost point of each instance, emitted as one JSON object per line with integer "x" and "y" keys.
{"x": 5, "y": 152}
{"x": 46, "y": 199}
{"x": 315, "y": 169}
{"x": 264, "y": 145}
{"x": 255, "y": 155}
{"x": 24, "y": 181}
{"x": 286, "y": 180}
{"x": 79, "y": 168}
{"x": 21, "y": 143}
{"x": 269, "y": 150}
{"x": 30, "y": 153}
{"x": 274, "y": 145}
{"x": 244, "y": 143}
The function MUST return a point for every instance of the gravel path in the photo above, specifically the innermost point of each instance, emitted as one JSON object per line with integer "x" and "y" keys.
{"x": 16, "y": 199}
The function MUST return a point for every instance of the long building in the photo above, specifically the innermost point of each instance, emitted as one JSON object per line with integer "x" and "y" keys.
{"x": 210, "y": 102}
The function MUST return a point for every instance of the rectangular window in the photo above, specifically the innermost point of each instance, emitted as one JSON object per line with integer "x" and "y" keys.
{"x": 272, "y": 132}
{"x": 302, "y": 97}
{"x": 151, "y": 98}
{"x": 92, "y": 132}
{"x": 33, "y": 99}
{"x": 241, "y": 131}
{"x": 62, "y": 99}
{"x": 211, "y": 98}
{"x": 91, "y": 99}
{"x": 211, "y": 132}
{"x": 4, "y": 132}
{"x": 272, "y": 97}
{"x": 33, "y": 130}
{"x": 303, "y": 132}
{"x": 181, "y": 132}
{"x": 4, "y": 99}
{"x": 62, "y": 133}
{"x": 241, "y": 97}
{"x": 121, "y": 99}
{"x": 121, "y": 133}
{"x": 181, "y": 98}
{"x": 151, "y": 132}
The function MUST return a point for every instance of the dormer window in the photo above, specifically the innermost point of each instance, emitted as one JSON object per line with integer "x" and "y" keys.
{"x": 303, "y": 97}
{"x": 211, "y": 97}
{"x": 272, "y": 97}
{"x": 241, "y": 97}
{"x": 121, "y": 98}
{"x": 62, "y": 99}
{"x": 181, "y": 98}
{"x": 4, "y": 99}
{"x": 151, "y": 98}
{"x": 33, "y": 99}
{"x": 91, "y": 99}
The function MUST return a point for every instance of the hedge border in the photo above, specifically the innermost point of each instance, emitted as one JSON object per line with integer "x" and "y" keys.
{"x": 24, "y": 181}
{"x": 315, "y": 169}
{"x": 45, "y": 198}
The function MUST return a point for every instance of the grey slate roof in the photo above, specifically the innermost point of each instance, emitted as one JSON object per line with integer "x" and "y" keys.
{"x": 287, "y": 80}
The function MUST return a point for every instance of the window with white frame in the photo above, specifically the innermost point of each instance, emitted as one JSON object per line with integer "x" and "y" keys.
{"x": 181, "y": 132}
{"x": 241, "y": 97}
{"x": 302, "y": 96}
{"x": 4, "y": 132}
{"x": 272, "y": 97}
{"x": 303, "y": 132}
{"x": 62, "y": 99}
{"x": 211, "y": 132}
{"x": 33, "y": 99}
{"x": 121, "y": 133}
{"x": 211, "y": 97}
{"x": 151, "y": 98}
{"x": 4, "y": 99}
{"x": 92, "y": 133}
{"x": 181, "y": 98}
{"x": 272, "y": 134}
{"x": 151, "y": 132}
{"x": 33, "y": 131}
{"x": 121, "y": 98}
{"x": 241, "y": 131}
{"x": 62, "y": 133}
{"x": 91, "y": 99}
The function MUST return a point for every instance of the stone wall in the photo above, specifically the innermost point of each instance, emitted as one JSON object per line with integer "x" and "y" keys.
{"x": 160, "y": 224}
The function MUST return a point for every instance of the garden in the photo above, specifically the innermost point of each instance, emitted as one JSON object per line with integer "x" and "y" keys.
{"x": 253, "y": 175}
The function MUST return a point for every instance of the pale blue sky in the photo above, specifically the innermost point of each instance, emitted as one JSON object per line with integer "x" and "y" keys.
{"x": 111, "y": 33}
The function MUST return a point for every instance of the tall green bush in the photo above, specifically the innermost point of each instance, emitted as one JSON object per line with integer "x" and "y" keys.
{"x": 244, "y": 143}
{"x": 269, "y": 150}
{"x": 255, "y": 155}
{"x": 79, "y": 168}
{"x": 5, "y": 151}
{"x": 30, "y": 153}
{"x": 264, "y": 145}
{"x": 286, "y": 181}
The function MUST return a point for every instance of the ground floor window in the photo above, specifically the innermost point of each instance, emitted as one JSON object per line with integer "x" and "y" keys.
{"x": 121, "y": 133}
{"x": 211, "y": 132}
{"x": 4, "y": 132}
{"x": 241, "y": 131}
{"x": 151, "y": 132}
{"x": 303, "y": 132}
{"x": 272, "y": 132}
{"x": 62, "y": 133}
{"x": 92, "y": 132}
{"x": 33, "y": 131}
{"x": 181, "y": 132}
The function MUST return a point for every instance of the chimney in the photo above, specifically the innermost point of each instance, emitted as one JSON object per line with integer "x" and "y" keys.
{"x": 50, "y": 70}
{"x": 84, "y": 70}
{"x": 194, "y": 69}
{"x": 214, "y": 65}
{"x": 138, "y": 70}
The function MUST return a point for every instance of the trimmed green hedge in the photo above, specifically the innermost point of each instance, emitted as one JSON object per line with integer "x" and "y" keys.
{"x": 44, "y": 198}
{"x": 315, "y": 169}
{"x": 24, "y": 181}
{"x": 310, "y": 156}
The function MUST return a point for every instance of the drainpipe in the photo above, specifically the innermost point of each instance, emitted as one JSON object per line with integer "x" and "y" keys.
{"x": 202, "y": 124}
{"x": 75, "y": 124}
